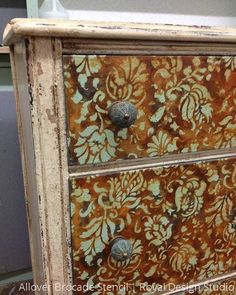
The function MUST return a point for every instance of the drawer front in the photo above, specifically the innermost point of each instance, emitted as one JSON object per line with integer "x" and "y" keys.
{"x": 180, "y": 222}
{"x": 183, "y": 103}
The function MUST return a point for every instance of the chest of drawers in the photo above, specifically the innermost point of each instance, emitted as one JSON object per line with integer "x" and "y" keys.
{"x": 128, "y": 144}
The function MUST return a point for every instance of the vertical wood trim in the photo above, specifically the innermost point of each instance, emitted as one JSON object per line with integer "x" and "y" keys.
{"x": 38, "y": 80}
{"x": 20, "y": 80}
{"x": 48, "y": 113}
{"x": 62, "y": 132}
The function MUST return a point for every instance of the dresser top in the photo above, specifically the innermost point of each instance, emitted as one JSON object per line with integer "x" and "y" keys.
{"x": 22, "y": 28}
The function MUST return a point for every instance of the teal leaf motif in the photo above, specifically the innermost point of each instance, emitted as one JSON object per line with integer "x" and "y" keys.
{"x": 88, "y": 131}
{"x": 84, "y": 112}
{"x": 95, "y": 145}
{"x": 77, "y": 97}
{"x": 158, "y": 115}
{"x": 96, "y": 237}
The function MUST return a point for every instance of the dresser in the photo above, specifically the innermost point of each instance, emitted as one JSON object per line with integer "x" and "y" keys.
{"x": 128, "y": 145}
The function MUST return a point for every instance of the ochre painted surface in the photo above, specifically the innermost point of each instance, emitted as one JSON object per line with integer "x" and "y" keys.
{"x": 184, "y": 104}
{"x": 180, "y": 220}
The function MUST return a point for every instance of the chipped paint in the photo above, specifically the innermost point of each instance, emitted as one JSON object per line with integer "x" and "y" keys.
{"x": 51, "y": 117}
{"x": 39, "y": 69}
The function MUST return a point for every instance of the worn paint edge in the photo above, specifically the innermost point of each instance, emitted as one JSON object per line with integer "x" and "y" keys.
{"x": 18, "y": 55}
{"x": 148, "y": 163}
{"x": 135, "y": 47}
{"x": 20, "y": 28}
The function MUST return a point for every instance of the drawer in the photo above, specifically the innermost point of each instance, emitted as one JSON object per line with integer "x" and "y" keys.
{"x": 174, "y": 225}
{"x": 183, "y": 104}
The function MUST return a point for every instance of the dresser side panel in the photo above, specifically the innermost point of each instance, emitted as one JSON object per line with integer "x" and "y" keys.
{"x": 20, "y": 80}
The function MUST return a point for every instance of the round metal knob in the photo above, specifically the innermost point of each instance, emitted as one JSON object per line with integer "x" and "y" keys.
{"x": 121, "y": 249}
{"x": 122, "y": 114}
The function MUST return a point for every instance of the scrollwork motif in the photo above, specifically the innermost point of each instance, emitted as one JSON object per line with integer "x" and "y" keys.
{"x": 181, "y": 222}
{"x": 184, "y": 103}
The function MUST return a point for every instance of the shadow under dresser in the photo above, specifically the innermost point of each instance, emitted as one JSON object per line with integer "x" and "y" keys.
{"x": 128, "y": 144}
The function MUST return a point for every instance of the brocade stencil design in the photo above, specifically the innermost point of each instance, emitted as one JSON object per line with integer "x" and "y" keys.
{"x": 181, "y": 221}
{"x": 184, "y": 103}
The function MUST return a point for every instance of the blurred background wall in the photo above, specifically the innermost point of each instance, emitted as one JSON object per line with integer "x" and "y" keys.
{"x": 14, "y": 243}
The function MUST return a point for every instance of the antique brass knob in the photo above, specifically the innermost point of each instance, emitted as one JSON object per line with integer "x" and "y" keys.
{"x": 121, "y": 249}
{"x": 122, "y": 114}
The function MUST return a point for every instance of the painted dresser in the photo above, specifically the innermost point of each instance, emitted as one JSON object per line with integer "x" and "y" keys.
{"x": 128, "y": 144}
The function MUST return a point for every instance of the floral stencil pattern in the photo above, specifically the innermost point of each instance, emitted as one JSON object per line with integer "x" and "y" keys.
{"x": 181, "y": 221}
{"x": 184, "y": 103}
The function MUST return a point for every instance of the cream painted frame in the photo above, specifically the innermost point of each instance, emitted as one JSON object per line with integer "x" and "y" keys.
{"x": 44, "y": 157}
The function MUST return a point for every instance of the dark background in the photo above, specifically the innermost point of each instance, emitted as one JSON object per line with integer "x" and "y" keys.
{"x": 14, "y": 244}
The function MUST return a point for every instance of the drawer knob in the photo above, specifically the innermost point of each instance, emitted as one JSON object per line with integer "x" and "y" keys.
{"x": 121, "y": 249}
{"x": 122, "y": 114}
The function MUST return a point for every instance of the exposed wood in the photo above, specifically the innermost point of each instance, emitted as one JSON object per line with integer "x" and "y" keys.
{"x": 136, "y": 164}
{"x": 4, "y": 50}
{"x": 20, "y": 28}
